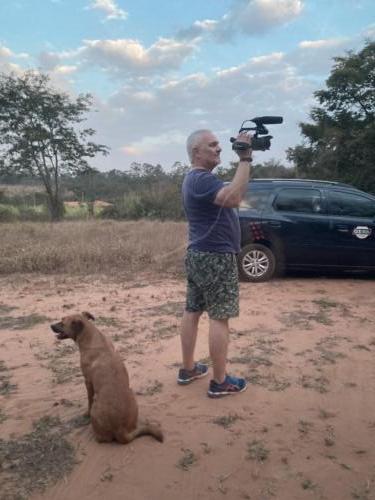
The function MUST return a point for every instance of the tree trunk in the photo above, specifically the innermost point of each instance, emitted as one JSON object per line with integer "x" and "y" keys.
{"x": 90, "y": 209}
{"x": 56, "y": 209}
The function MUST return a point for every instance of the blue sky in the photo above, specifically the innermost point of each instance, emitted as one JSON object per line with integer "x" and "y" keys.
{"x": 161, "y": 69}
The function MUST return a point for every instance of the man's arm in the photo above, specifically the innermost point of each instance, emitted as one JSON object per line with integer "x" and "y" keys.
{"x": 231, "y": 195}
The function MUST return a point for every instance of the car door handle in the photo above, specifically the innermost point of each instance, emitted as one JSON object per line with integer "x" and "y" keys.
{"x": 274, "y": 223}
{"x": 342, "y": 229}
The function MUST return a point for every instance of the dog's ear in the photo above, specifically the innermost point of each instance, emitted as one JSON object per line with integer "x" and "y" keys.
{"x": 77, "y": 326}
{"x": 88, "y": 315}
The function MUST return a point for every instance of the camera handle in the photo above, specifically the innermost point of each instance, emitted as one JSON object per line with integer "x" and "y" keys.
{"x": 239, "y": 145}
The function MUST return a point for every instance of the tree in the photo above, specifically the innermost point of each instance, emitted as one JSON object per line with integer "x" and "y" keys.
{"x": 340, "y": 143}
{"x": 272, "y": 169}
{"x": 39, "y": 133}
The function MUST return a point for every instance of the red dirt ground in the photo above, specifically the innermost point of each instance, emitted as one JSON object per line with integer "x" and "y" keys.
{"x": 305, "y": 427}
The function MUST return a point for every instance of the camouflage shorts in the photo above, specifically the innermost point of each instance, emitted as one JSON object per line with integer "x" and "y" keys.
{"x": 212, "y": 284}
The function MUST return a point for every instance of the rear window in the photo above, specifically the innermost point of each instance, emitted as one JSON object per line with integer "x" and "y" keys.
{"x": 255, "y": 200}
{"x": 350, "y": 205}
{"x": 298, "y": 200}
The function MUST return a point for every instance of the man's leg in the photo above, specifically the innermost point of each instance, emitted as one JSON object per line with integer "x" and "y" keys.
{"x": 194, "y": 307}
{"x": 218, "y": 346}
{"x": 190, "y": 371}
{"x": 222, "y": 303}
{"x": 189, "y": 332}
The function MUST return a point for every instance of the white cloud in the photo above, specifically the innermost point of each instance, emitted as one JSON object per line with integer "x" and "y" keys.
{"x": 257, "y": 16}
{"x": 129, "y": 57}
{"x": 197, "y": 29}
{"x": 50, "y": 60}
{"x": 9, "y": 67}
{"x": 65, "y": 70}
{"x": 122, "y": 57}
{"x": 369, "y": 32}
{"x": 147, "y": 120}
{"x": 249, "y": 17}
{"x": 153, "y": 143}
{"x": 268, "y": 59}
{"x": 5, "y": 52}
{"x": 22, "y": 55}
{"x": 315, "y": 57}
{"x": 321, "y": 44}
{"x": 110, "y": 8}
{"x": 151, "y": 124}
{"x": 6, "y": 64}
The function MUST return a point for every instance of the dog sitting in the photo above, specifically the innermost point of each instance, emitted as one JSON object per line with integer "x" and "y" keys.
{"x": 112, "y": 406}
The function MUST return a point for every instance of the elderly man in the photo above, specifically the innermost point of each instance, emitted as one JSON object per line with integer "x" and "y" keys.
{"x": 211, "y": 268}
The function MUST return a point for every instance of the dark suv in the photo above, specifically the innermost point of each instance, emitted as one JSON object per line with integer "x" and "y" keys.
{"x": 305, "y": 224}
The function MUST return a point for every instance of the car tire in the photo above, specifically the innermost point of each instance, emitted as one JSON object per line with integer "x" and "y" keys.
{"x": 256, "y": 263}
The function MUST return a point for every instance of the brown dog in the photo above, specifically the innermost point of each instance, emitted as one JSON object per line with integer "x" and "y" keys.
{"x": 112, "y": 405}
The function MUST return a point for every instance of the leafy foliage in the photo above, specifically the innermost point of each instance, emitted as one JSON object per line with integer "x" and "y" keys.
{"x": 340, "y": 143}
{"x": 144, "y": 191}
{"x": 38, "y": 134}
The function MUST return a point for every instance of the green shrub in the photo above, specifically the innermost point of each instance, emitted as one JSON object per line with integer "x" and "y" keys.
{"x": 76, "y": 213}
{"x": 8, "y": 213}
{"x": 110, "y": 213}
{"x": 38, "y": 213}
{"x": 131, "y": 207}
{"x": 164, "y": 203}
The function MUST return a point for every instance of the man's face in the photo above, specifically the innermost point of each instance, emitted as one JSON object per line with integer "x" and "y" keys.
{"x": 207, "y": 151}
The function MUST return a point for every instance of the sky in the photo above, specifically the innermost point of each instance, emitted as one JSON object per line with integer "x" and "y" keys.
{"x": 158, "y": 70}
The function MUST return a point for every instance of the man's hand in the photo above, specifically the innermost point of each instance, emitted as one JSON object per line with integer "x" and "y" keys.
{"x": 244, "y": 137}
{"x": 230, "y": 195}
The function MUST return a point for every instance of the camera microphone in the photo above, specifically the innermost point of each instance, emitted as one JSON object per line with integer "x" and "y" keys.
{"x": 268, "y": 120}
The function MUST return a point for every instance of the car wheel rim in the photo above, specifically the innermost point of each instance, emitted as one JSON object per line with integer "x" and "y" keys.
{"x": 255, "y": 263}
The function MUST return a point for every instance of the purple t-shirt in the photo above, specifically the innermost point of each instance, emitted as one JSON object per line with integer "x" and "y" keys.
{"x": 211, "y": 228}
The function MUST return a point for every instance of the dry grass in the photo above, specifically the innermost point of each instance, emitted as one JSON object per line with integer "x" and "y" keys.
{"x": 257, "y": 451}
{"x": 6, "y": 387}
{"x": 35, "y": 460}
{"x": 20, "y": 190}
{"x": 226, "y": 420}
{"x": 152, "y": 389}
{"x": 187, "y": 460}
{"x": 92, "y": 247}
{"x": 21, "y": 322}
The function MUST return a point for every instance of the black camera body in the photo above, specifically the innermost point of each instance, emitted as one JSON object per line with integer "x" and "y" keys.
{"x": 257, "y": 143}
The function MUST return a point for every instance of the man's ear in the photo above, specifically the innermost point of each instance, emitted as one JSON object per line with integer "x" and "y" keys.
{"x": 77, "y": 326}
{"x": 88, "y": 315}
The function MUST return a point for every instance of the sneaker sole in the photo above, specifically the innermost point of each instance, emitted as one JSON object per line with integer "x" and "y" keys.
{"x": 185, "y": 381}
{"x": 221, "y": 394}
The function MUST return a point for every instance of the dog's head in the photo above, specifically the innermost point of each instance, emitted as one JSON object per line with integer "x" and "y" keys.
{"x": 71, "y": 326}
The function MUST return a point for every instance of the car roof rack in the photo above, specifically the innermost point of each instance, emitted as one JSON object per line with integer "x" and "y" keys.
{"x": 316, "y": 181}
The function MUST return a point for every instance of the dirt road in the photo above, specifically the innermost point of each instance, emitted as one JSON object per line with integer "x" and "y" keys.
{"x": 305, "y": 427}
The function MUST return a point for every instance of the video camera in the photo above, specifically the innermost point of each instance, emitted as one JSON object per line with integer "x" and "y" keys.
{"x": 257, "y": 143}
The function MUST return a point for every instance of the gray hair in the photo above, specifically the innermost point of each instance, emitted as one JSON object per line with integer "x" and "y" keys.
{"x": 193, "y": 140}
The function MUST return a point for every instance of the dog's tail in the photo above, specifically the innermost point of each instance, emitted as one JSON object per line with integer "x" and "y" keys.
{"x": 141, "y": 430}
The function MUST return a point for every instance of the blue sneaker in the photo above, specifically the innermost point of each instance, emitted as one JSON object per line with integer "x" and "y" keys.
{"x": 231, "y": 385}
{"x": 186, "y": 376}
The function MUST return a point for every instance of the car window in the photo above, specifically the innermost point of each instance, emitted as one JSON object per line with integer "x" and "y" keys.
{"x": 298, "y": 200}
{"x": 255, "y": 200}
{"x": 351, "y": 205}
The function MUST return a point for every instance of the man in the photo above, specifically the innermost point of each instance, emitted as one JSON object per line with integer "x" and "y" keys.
{"x": 214, "y": 240}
